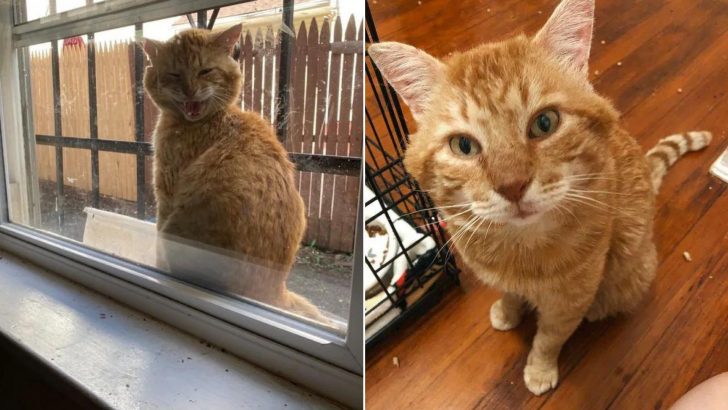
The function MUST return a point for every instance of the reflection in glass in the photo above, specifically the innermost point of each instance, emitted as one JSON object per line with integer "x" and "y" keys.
{"x": 93, "y": 151}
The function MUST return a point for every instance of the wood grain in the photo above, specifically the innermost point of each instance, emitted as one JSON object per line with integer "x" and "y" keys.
{"x": 679, "y": 335}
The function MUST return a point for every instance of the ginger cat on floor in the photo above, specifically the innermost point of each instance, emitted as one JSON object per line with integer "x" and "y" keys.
{"x": 546, "y": 197}
{"x": 221, "y": 177}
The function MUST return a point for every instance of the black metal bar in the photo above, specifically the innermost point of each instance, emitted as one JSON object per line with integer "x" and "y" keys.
{"x": 58, "y": 130}
{"x": 202, "y": 19}
{"x": 331, "y": 164}
{"x": 139, "y": 124}
{"x": 395, "y": 190}
{"x": 20, "y": 12}
{"x": 284, "y": 72}
{"x": 190, "y": 20}
{"x": 211, "y": 23}
{"x": 122, "y": 147}
{"x": 93, "y": 119}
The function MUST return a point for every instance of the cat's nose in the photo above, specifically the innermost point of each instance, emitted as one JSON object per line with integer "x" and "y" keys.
{"x": 514, "y": 191}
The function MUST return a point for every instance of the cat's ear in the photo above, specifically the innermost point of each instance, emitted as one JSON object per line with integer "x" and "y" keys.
{"x": 227, "y": 39}
{"x": 151, "y": 49}
{"x": 567, "y": 35}
{"x": 412, "y": 72}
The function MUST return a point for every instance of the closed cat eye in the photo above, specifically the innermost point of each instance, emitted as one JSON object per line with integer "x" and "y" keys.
{"x": 544, "y": 123}
{"x": 205, "y": 71}
{"x": 464, "y": 145}
{"x": 173, "y": 75}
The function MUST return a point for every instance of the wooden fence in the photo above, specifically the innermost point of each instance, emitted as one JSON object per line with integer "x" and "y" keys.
{"x": 324, "y": 116}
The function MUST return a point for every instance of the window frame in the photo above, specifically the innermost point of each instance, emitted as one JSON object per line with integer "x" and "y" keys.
{"x": 326, "y": 363}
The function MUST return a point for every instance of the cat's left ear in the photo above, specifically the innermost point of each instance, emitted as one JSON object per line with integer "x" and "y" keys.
{"x": 227, "y": 39}
{"x": 151, "y": 49}
{"x": 567, "y": 35}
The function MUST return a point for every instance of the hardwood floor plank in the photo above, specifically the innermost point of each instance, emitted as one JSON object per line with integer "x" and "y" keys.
{"x": 666, "y": 374}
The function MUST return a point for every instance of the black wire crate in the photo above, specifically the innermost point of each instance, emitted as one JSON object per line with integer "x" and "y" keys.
{"x": 408, "y": 266}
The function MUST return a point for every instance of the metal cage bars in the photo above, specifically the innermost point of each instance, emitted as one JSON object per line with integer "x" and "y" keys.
{"x": 395, "y": 190}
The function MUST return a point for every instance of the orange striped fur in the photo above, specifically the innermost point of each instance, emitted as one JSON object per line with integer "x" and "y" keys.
{"x": 558, "y": 217}
{"x": 663, "y": 155}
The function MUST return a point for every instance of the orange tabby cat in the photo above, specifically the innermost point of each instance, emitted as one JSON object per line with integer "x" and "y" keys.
{"x": 547, "y": 198}
{"x": 221, "y": 178}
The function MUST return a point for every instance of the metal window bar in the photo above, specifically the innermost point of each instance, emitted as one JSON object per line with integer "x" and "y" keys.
{"x": 139, "y": 122}
{"x": 284, "y": 72}
{"x": 93, "y": 120}
{"x": 395, "y": 190}
{"x": 58, "y": 129}
{"x": 332, "y": 164}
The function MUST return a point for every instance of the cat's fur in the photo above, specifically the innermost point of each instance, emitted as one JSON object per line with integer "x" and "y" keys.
{"x": 221, "y": 177}
{"x": 587, "y": 250}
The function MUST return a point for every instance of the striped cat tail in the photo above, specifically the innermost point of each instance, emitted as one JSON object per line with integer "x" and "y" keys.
{"x": 669, "y": 149}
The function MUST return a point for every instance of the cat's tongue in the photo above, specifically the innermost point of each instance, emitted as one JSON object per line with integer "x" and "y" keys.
{"x": 192, "y": 108}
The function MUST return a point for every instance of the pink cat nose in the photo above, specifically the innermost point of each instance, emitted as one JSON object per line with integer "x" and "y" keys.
{"x": 515, "y": 190}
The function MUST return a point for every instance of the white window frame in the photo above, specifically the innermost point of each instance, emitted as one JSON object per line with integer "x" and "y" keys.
{"x": 322, "y": 361}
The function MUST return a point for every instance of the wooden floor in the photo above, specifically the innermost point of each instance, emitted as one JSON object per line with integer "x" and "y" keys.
{"x": 673, "y": 77}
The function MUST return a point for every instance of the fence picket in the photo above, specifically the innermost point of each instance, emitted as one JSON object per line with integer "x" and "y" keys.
{"x": 348, "y": 199}
{"x": 328, "y": 195}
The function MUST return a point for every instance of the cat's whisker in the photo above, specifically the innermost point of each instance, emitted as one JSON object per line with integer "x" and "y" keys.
{"x": 595, "y": 203}
{"x": 591, "y": 174}
{"x": 443, "y": 219}
{"x": 465, "y": 228}
{"x": 435, "y": 208}
{"x": 451, "y": 238}
{"x": 477, "y": 228}
{"x": 587, "y": 191}
{"x": 615, "y": 209}
{"x": 581, "y": 179}
{"x": 582, "y": 202}
{"x": 564, "y": 208}
{"x": 588, "y": 198}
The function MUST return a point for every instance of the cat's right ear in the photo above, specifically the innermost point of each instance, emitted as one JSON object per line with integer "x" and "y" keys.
{"x": 151, "y": 49}
{"x": 412, "y": 72}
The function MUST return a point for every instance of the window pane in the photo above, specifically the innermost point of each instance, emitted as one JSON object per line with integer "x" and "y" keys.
{"x": 29, "y": 10}
{"x": 92, "y": 168}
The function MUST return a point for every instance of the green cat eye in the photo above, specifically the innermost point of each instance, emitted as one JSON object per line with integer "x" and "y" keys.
{"x": 464, "y": 145}
{"x": 544, "y": 123}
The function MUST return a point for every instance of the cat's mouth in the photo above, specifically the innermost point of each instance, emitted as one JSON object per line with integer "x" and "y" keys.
{"x": 192, "y": 110}
{"x": 524, "y": 214}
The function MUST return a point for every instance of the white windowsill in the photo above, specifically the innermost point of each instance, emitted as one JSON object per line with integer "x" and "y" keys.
{"x": 125, "y": 358}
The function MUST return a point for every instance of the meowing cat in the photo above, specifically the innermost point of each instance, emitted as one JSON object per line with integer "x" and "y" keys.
{"x": 546, "y": 197}
{"x": 221, "y": 177}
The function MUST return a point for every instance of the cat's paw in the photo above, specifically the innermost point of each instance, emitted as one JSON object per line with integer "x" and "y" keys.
{"x": 502, "y": 318}
{"x": 540, "y": 379}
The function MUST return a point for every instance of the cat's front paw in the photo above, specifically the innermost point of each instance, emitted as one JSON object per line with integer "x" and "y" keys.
{"x": 503, "y": 318}
{"x": 540, "y": 379}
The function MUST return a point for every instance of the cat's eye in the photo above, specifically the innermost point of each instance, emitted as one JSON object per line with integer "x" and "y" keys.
{"x": 205, "y": 71}
{"x": 464, "y": 145}
{"x": 174, "y": 75}
{"x": 544, "y": 123}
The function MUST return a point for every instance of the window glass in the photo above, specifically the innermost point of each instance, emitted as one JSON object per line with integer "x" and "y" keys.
{"x": 229, "y": 221}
